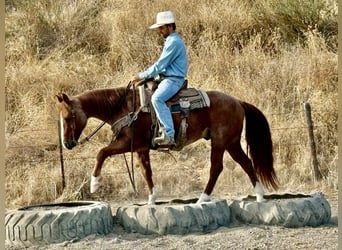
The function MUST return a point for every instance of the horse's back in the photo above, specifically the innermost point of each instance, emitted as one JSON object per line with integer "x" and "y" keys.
{"x": 223, "y": 120}
{"x": 225, "y": 105}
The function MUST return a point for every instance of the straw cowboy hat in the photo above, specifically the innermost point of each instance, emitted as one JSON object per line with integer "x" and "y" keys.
{"x": 165, "y": 17}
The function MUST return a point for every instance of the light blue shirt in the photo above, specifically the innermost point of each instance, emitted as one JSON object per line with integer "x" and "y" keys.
{"x": 173, "y": 60}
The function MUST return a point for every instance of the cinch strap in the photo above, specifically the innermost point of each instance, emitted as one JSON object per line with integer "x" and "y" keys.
{"x": 124, "y": 121}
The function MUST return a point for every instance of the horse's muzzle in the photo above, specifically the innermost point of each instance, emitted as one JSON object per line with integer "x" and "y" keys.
{"x": 70, "y": 144}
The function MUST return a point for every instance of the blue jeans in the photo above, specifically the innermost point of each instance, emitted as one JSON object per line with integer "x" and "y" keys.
{"x": 166, "y": 89}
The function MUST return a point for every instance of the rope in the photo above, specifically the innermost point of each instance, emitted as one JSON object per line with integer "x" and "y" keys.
{"x": 131, "y": 172}
{"x": 132, "y": 143}
{"x": 130, "y": 175}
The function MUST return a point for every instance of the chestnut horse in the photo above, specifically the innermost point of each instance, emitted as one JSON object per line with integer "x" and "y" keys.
{"x": 222, "y": 123}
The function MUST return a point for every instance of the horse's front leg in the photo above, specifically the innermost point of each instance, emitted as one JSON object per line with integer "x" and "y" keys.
{"x": 144, "y": 160}
{"x": 100, "y": 158}
{"x": 95, "y": 178}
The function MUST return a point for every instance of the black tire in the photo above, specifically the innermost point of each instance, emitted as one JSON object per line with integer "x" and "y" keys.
{"x": 57, "y": 222}
{"x": 174, "y": 217}
{"x": 288, "y": 210}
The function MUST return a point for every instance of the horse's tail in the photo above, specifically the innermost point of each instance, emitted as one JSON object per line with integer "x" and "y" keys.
{"x": 258, "y": 137}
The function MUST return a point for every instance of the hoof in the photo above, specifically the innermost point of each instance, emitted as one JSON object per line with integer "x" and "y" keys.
{"x": 94, "y": 183}
{"x": 259, "y": 191}
{"x": 203, "y": 198}
{"x": 260, "y": 198}
{"x": 151, "y": 200}
{"x": 152, "y": 197}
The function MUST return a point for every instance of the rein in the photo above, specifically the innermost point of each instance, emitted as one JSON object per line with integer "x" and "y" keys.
{"x": 122, "y": 99}
{"x": 131, "y": 173}
{"x": 92, "y": 133}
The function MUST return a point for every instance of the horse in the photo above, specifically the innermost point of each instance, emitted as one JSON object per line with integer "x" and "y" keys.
{"x": 221, "y": 123}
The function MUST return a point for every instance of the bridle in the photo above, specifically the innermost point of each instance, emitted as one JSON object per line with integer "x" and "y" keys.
{"x": 88, "y": 137}
{"x": 73, "y": 124}
{"x": 73, "y": 127}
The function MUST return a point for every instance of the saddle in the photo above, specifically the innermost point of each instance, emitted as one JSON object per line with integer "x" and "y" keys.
{"x": 185, "y": 100}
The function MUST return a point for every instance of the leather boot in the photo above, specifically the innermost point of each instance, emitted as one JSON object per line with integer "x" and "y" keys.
{"x": 164, "y": 140}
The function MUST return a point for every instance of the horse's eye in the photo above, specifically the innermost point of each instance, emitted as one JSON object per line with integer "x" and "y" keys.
{"x": 67, "y": 119}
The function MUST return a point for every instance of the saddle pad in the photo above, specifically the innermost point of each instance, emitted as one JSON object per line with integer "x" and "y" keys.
{"x": 197, "y": 98}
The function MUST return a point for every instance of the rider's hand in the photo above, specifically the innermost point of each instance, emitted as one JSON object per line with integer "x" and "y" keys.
{"x": 135, "y": 79}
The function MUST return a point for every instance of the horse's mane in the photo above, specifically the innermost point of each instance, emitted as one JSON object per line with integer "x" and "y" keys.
{"x": 104, "y": 100}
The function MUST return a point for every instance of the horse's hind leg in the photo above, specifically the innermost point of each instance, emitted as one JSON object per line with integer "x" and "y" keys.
{"x": 240, "y": 157}
{"x": 144, "y": 160}
{"x": 215, "y": 171}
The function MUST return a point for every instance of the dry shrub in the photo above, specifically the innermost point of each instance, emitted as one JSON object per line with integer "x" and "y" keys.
{"x": 273, "y": 54}
{"x": 295, "y": 17}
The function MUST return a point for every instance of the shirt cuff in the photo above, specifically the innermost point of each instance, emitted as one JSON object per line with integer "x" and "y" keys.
{"x": 143, "y": 75}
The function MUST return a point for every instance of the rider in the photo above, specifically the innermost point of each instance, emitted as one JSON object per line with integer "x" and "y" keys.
{"x": 172, "y": 67}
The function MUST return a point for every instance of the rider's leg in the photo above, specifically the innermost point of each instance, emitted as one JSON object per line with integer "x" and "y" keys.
{"x": 166, "y": 89}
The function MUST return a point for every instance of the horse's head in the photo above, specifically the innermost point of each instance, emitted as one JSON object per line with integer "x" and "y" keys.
{"x": 72, "y": 119}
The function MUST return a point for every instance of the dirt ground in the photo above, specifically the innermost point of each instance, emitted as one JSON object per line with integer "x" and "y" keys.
{"x": 236, "y": 236}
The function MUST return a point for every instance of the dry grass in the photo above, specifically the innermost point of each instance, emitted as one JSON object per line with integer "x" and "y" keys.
{"x": 273, "y": 54}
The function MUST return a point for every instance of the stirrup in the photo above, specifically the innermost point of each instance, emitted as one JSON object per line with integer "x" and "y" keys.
{"x": 164, "y": 140}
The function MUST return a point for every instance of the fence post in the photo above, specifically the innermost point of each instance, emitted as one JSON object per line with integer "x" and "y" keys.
{"x": 61, "y": 154}
{"x": 314, "y": 162}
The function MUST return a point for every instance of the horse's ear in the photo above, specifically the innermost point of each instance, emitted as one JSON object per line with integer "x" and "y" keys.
{"x": 66, "y": 98}
{"x": 63, "y": 98}
{"x": 59, "y": 98}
